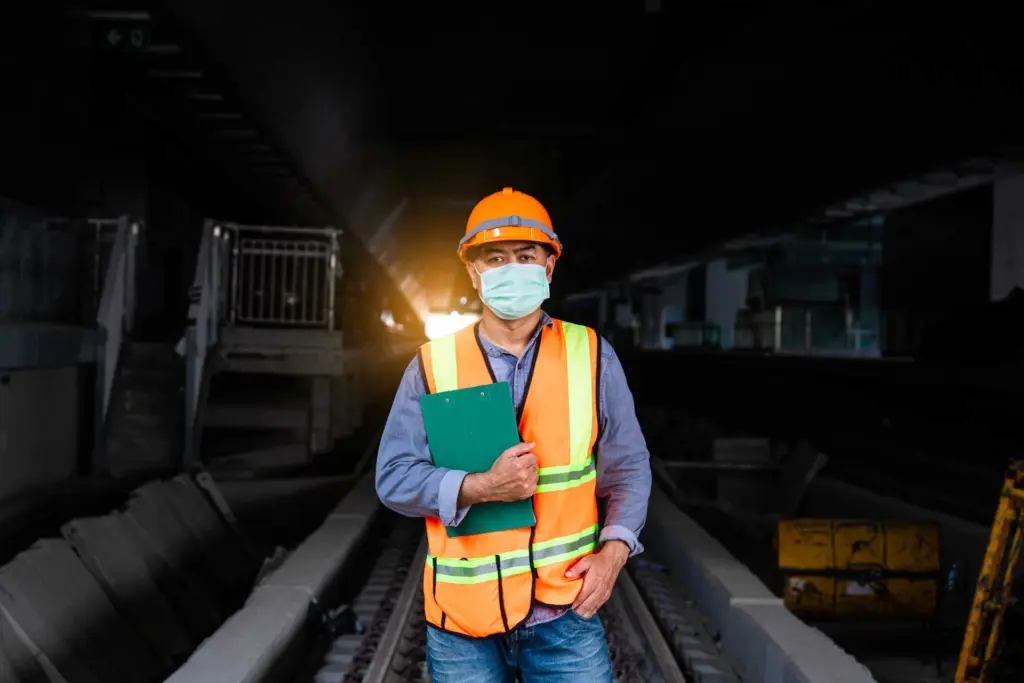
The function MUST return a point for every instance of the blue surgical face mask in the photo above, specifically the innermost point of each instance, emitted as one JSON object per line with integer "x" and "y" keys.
{"x": 515, "y": 290}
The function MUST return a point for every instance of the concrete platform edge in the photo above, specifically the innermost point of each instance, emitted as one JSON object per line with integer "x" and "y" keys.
{"x": 765, "y": 642}
{"x": 245, "y": 648}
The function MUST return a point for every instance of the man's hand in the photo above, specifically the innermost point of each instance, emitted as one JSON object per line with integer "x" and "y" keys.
{"x": 599, "y": 572}
{"x": 513, "y": 476}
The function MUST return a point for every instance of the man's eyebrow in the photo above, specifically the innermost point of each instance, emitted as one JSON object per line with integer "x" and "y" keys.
{"x": 528, "y": 247}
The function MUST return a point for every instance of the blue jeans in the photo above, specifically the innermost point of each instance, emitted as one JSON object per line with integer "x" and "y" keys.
{"x": 569, "y": 649}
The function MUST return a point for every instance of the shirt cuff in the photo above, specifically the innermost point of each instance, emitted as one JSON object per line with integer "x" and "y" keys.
{"x": 614, "y": 532}
{"x": 448, "y": 498}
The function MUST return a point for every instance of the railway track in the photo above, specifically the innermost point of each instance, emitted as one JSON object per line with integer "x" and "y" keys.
{"x": 386, "y": 643}
{"x": 344, "y": 605}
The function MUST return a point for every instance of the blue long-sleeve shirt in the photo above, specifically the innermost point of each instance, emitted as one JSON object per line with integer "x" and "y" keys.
{"x": 409, "y": 483}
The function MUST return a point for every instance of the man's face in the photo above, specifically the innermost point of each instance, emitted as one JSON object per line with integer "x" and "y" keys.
{"x": 500, "y": 254}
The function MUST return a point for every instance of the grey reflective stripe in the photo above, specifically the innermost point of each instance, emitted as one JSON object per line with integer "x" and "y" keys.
{"x": 579, "y": 544}
{"x": 566, "y": 477}
{"x": 486, "y": 568}
{"x": 481, "y": 570}
{"x": 509, "y": 222}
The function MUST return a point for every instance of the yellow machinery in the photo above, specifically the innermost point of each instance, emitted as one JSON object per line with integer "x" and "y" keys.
{"x": 995, "y": 584}
{"x": 851, "y": 569}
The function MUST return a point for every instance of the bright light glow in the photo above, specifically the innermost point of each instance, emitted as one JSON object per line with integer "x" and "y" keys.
{"x": 440, "y": 324}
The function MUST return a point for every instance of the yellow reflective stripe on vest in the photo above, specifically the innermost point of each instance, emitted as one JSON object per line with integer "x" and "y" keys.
{"x": 483, "y": 569}
{"x": 581, "y": 391}
{"x": 565, "y": 477}
{"x": 442, "y": 361}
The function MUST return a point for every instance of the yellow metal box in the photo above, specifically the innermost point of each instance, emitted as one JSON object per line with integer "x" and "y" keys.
{"x": 852, "y": 569}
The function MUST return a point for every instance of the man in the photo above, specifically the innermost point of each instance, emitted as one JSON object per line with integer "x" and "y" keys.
{"x": 521, "y": 602}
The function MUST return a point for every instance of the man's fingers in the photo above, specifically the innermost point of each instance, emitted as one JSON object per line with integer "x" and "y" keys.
{"x": 520, "y": 449}
{"x": 583, "y": 597}
{"x": 579, "y": 568}
{"x": 592, "y": 605}
{"x": 597, "y": 586}
{"x": 586, "y": 603}
{"x": 589, "y": 604}
{"x": 528, "y": 460}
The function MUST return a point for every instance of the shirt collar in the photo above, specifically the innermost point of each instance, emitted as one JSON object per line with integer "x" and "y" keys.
{"x": 497, "y": 352}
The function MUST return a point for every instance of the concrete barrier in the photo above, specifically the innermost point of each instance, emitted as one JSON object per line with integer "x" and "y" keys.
{"x": 765, "y": 642}
{"x": 252, "y": 645}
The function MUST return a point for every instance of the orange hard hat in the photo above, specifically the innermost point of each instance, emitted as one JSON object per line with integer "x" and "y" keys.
{"x": 509, "y": 216}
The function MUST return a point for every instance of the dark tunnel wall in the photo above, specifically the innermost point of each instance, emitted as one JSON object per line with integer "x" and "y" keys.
{"x": 47, "y": 111}
{"x": 75, "y": 138}
{"x": 781, "y": 120}
{"x": 285, "y": 59}
{"x": 936, "y": 262}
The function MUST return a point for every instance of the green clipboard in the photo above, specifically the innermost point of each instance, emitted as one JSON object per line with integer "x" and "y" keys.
{"x": 467, "y": 429}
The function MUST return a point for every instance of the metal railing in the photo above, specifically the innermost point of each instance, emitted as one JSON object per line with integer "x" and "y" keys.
{"x": 52, "y": 269}
{"x": 114, "y": 315}
{"x": 284, "y": 277}
{"x": 696, "y": 333}
{"x": 207, "y": 297}
{"x": 782, "y": 331}
{"x": 104, "y": 234}
{"x": 259, "y": 276}
{"x": 798, "y": 330}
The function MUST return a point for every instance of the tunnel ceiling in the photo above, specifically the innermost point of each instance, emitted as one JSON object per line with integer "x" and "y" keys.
{"x": 649, "y": 134}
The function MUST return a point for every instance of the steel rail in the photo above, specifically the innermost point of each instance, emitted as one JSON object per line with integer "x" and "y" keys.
{"x": 663, "y": 657}
{"x": 380, "y": 667}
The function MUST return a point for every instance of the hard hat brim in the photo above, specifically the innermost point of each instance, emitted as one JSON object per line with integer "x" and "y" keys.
{"x": 510, "y": 234}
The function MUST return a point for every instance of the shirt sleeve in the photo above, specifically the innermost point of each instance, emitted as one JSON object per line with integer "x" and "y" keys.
{"x": 623, "y": 462}
{"x": 407, "y": 481}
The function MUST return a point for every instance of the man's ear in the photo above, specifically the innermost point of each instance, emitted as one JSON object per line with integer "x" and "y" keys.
{"x": 474, "y": 277}
{"x": 549, "y": 266}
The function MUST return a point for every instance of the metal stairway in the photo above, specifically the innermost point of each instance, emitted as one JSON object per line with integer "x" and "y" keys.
{"x": 267, "y": 384}
{"x": 259, "y": 422}
{"x": 138, "y": 384}
{"x": 144, "y": 420}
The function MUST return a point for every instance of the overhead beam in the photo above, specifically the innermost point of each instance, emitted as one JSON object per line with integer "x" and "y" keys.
{"x": 113, "y": 15}
{"x": 549, "y": 130}
{"x": 237, "y": 133}
{"x": 175, "y": 74}
{"x": 220, "y": 116}
{"x": 164, "y": 50}
{"x": 914, "y": 190}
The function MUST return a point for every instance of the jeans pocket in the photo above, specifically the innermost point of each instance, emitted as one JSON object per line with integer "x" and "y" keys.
{"x": 582, "y": 619}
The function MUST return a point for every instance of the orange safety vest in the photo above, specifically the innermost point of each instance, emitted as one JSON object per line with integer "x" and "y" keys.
{"x": 486, "y": 584}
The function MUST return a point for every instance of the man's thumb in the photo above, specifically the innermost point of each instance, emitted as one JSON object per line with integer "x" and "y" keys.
{"x": 580, "y": 567}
